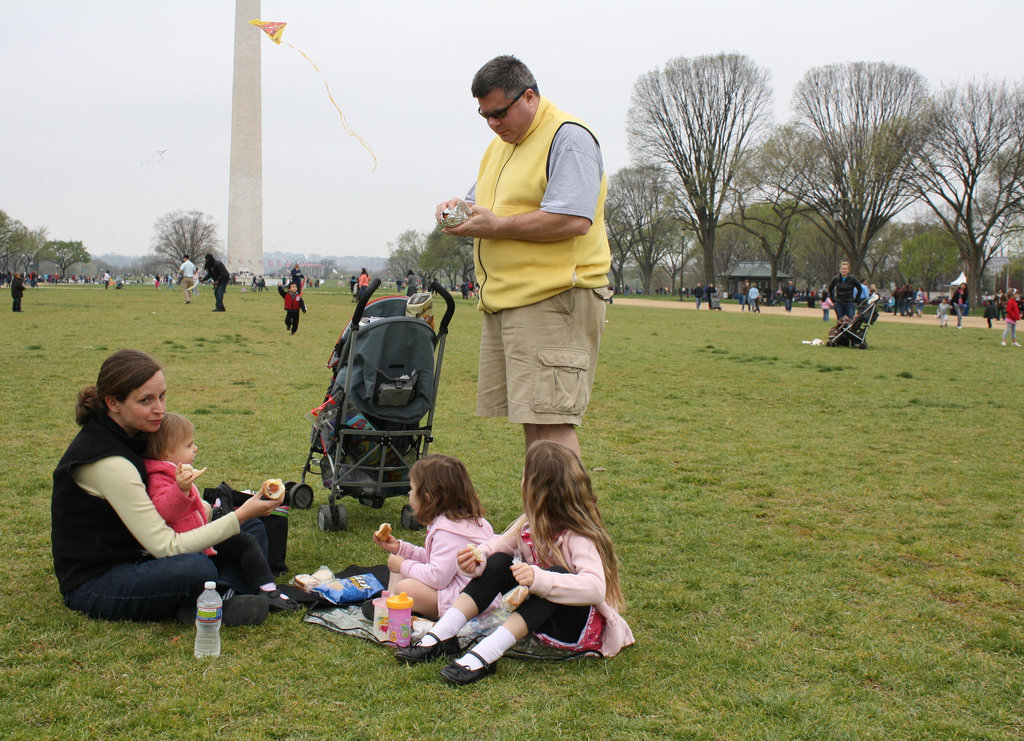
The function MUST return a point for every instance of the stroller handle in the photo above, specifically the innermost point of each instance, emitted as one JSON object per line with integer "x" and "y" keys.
{"x": 364, "y": 298}
{"x": 449, "y": 310}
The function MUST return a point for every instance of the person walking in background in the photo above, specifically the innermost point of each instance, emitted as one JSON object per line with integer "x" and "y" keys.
{"x": 961, "y": 304}
{"x": 788, "y": 293}
{"x": 364, "y": 282}
{"x": 413, "y": 284}
{"x": 942, "y": 312}
{"x": 1012, "y": 317}
{"x": 297, "y": 277}
{"x": 710, "y": 293}
{"x": 826, "y": 305}
{"x": 17, "y": 291}
{"x": 187, "y": 271}
{"x": 218, "y": 274}
{"x": 754, "y": 299}
{"x": 698, "y": 294}
{"x": 745, "y": 297}
{"x": 541, "y": 255}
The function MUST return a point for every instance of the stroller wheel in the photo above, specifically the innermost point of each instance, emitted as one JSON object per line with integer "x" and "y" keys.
{"x": 863, "y": 345}
{"x": 301, "y": 496}
{"x": 409, "y": 521}
{"x": 332, "y": 517}
{"x": 340, "y": 516}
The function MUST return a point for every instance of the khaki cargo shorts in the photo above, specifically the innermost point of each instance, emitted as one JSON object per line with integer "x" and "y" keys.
{"x": 537, "y": 362}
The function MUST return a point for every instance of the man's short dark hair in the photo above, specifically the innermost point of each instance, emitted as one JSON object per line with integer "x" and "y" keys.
{"x": 505, "y": 72}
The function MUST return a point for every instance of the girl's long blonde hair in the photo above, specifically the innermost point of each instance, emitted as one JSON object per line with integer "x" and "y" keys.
{"x": 557, "y": 496}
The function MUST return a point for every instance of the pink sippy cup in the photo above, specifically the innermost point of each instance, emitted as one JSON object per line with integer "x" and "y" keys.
{"x": 399, "y": 619}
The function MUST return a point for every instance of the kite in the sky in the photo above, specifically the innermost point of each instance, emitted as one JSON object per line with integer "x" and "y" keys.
{"x": 275, "y": 30}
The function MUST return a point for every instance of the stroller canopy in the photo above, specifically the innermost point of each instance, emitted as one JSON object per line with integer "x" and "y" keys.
{"x": 392, "y": 370}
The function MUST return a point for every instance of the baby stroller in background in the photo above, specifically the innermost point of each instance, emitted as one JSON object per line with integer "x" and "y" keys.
{"x": 367, "y": 433}
{"x": 854, "y": 333}
{"x": 716, "y": 302}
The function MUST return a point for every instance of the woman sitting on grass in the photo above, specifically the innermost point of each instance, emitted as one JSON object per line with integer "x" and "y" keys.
{"x": 114, "y": 556}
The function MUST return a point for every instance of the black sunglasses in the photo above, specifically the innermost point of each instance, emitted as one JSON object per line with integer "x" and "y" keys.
{"x": 502, "y": 112}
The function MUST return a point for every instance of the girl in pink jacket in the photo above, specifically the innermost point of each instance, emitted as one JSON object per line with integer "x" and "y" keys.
{"x": 169, "y": 455}
{"x": 443, "y": 498}
{"x": 567, "y": 575}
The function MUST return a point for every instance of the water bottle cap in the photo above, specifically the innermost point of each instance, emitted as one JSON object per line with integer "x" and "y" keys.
{"x": 399, "y": 602}
{"x": 210, "y": 585}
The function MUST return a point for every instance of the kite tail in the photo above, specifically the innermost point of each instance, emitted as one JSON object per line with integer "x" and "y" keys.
{"x": 344, "y": 123}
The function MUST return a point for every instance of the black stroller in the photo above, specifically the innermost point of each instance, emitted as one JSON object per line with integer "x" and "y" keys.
{"x": 370, "y": 428}
{"x": 853, "y": 333}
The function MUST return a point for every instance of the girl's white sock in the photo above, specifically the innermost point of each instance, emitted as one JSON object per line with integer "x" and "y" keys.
{"x": 490, "y": 649}
{"x": 446, "y": 627}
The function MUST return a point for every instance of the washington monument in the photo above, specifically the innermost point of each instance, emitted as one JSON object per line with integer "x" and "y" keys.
{"x": 245, "y": 190}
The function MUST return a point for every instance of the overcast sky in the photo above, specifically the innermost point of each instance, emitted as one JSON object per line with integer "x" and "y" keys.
{"x": 94, "y": 91}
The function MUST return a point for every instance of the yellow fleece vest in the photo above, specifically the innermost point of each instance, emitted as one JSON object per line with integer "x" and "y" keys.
{"x": 512, "y": 180}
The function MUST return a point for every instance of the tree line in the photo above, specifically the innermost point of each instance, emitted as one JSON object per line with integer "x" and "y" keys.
{"x": 23, "y": 249}
{"x": 867, "y": 141}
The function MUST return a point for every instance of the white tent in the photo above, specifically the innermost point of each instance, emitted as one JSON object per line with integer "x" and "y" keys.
{"x": 961, "y": 279}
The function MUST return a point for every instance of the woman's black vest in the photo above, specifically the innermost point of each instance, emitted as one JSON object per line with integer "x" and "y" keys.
{"x": 88, "y": 537}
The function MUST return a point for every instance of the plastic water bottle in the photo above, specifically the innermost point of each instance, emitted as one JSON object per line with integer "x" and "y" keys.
{"x": 209, "y": 609}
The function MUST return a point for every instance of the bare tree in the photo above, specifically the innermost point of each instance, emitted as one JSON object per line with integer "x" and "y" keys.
{"x": 675, "y": 260}
{"x": 617, "y": 228}
{"x": 641, "y": 208}
{"x": 769, "y": 198}
{"x": 180, "y": 234}
{"x": 972, "y": 174}
{"x": 882, "y": 259}
{"x": 696, "y": 117}
{"x": 864, "y": 123}
{"x": 815, "y": 255}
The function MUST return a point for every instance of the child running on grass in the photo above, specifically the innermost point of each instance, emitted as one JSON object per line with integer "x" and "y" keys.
{"x": 292, "y": 303}
{"x": 442, "y": 496}
{"x": 568, "y": 566}
{"x": 169, "y": 455}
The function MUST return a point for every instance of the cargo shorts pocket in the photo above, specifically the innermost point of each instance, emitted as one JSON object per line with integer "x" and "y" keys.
{"x": 560, "y": 382}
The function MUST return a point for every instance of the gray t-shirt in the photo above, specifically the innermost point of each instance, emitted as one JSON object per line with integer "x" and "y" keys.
{"x": 574, "y": 175}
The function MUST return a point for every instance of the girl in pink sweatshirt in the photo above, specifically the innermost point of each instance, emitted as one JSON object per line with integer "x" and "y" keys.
{"x": 169, "y": 455}
{"x": 443, "y": 498}
{"x": 567, "y": 575}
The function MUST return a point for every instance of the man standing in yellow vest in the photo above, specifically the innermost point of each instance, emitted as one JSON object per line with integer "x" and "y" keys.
{"x": 541, "y": 253}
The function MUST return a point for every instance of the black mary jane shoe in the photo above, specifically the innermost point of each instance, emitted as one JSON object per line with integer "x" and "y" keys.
{"x": 456, "y": 673}
{"x": 418, "y": 653}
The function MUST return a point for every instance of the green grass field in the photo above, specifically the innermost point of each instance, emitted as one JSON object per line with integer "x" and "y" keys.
{"x": 816, "y": 543}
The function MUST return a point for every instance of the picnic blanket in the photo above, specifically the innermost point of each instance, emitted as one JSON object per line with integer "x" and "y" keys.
{"x": 349, "y": 620}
